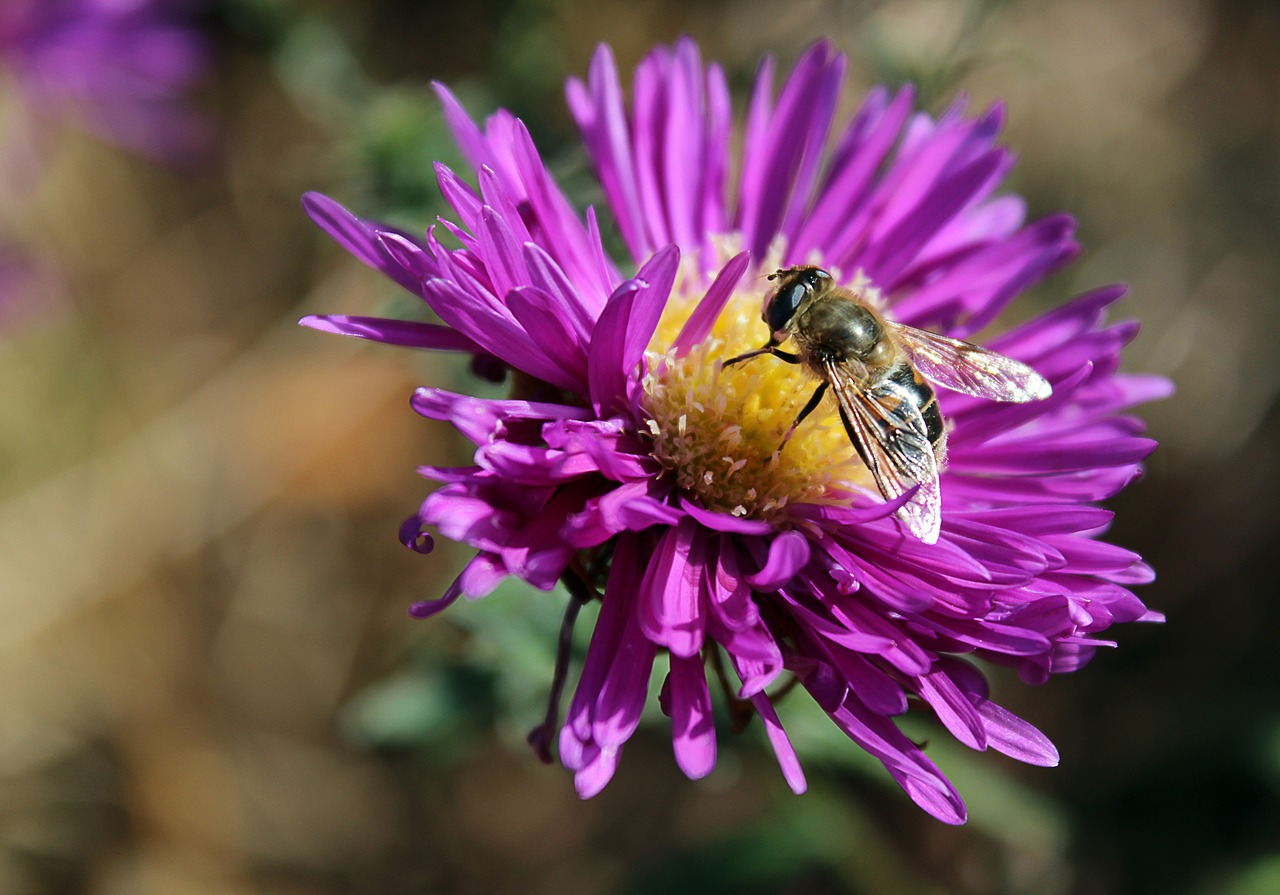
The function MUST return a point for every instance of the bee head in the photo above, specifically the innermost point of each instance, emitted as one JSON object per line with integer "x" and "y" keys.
{"x": 796, "y": 284}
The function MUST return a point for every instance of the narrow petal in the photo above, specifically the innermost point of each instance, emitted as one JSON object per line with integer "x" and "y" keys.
{"x": 755, "y": 654}
{"x": 658, "y": 274}
{"x": 460, "y": 196}
{"x": 848, "y": 637}
{"x": 465, "y": 133}
{"x": 872, "y": 687}
{"x": 1040, "y": 456}
{"x": 535, "y": 311}
{"x": 730, "y": 596}
{"x": 599, "y": 111}
{"x": 987, "y": 280}
{"x": 606, "y": 639}
{"x": 624, "y": 328}
{"x": 866, "y": 144}
{"x": 953, "y": 709}
{"x": 622, "y": 696}
{"x": 782, "y": 748}
{"x": 481, "y": 419}
{"x": 915, "y": 773}
{"x": 359, "y": 237}
{"x": 406, "y": 333}
{"x": 724, "y": 521}
{"x": 693, "y": 731}
{"x": 672, "y": 610}
{"x": 775, "y": 187}
{"x": 573, "y": 247}
{"x": 895, "y": 249}
{"x": 497, "y": 333}
{"x": 500, "y": 247}
{"x": 698, "y": 326}
{"x": 1010, "y": 735}
{"x": 566, "y": 299}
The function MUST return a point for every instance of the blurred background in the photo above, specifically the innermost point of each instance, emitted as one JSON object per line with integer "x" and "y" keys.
{"x": 210, "y": 682}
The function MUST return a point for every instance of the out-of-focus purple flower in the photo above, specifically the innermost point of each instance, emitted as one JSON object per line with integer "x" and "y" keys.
{"x": 118, "y": 68}
{"x": 630, "y": 465}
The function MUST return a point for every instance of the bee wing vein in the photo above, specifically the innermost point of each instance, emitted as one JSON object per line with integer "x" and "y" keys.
{"x": 970, "y": 369}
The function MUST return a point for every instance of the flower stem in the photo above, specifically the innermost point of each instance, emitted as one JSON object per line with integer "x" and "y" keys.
{"x": 580, "y": 593}
{"x": 740, "y": 710}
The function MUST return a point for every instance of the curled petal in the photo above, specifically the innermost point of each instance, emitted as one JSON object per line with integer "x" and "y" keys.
{"x": 788, "y": 554}
{"x": 428, "y": 608}
{"x": 413, "y": 536}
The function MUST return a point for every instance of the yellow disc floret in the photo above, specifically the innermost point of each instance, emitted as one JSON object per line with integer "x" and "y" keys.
{"x": 719, "y": 430}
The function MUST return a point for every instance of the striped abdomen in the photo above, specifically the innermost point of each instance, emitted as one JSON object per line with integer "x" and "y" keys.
{"x": 921, "y": 393}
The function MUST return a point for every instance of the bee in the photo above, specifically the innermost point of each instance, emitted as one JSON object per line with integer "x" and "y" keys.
{"x": 880, "y": 372}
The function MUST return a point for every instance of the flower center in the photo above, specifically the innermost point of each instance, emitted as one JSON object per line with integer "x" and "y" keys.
{"x": 720, "y": 431}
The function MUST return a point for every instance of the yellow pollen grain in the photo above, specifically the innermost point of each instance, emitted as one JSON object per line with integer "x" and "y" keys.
{"x": 718, "y": 430}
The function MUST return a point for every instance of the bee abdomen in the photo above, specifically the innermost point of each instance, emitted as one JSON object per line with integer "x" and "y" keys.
{"x": 922, "y": 395}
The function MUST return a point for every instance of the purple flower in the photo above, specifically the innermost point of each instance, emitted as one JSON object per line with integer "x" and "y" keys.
{"x": 631, "y": 465}
{"x": 117, "y": 67}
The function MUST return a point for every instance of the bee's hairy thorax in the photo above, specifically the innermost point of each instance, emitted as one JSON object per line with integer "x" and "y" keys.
{"x": 833, "y": 330}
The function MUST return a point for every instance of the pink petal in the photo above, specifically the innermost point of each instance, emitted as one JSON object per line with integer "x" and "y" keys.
{"x": 788, "y": 554}
{"x": 693, "y": 729}
{"x": 672, "y": 611}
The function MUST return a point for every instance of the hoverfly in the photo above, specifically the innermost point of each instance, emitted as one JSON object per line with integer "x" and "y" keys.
{"x": 880, "y": 372}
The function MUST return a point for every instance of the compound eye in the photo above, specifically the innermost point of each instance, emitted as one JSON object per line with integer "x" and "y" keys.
{"x": 813, "y": 278}
{"x": 782, "y": 307}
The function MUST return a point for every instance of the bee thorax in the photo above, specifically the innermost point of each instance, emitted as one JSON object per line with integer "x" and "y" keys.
{"x": 842, "y": 330}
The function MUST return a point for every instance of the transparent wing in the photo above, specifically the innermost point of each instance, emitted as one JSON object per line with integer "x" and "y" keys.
{"x": 890, "y": 435}
{"x": 970, "y": 369}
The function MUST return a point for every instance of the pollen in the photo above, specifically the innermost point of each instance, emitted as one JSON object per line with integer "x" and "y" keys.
{"x": 723, "y": 432}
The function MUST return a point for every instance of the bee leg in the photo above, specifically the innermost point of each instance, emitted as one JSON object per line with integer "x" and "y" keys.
{"x": 807, "y": 409}
{"x": 771, "y": 348}
{"x": 750, "y": 354}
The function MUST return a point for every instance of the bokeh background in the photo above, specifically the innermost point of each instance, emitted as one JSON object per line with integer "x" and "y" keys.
{"x": 208, "y": 680}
